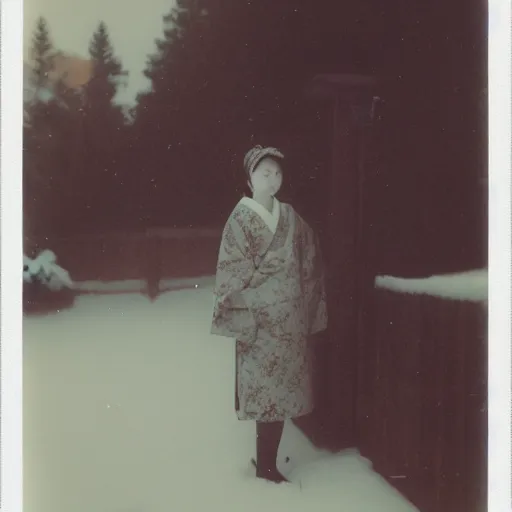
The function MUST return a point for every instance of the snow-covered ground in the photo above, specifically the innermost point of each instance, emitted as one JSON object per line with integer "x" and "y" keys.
{"x": 128, "y": 407}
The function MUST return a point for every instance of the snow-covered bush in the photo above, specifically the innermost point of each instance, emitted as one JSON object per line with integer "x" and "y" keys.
{"x": 46, "y": 285}
{"x": 44, "y": 269}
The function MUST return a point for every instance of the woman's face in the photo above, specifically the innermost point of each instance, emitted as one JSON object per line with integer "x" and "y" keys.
{"x": 267, "y": 178}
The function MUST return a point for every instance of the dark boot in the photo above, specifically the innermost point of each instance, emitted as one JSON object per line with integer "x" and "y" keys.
{"x": 268, "y": 436}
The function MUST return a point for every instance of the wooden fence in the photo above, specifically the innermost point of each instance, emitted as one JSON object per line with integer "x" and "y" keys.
{"x": 153, "y": 255}
{"x": 422, "y": 398}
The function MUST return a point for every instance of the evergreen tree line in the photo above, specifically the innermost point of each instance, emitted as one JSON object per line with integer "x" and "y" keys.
{"x": 72, "y": 141}
{"x": 227, "y": 74}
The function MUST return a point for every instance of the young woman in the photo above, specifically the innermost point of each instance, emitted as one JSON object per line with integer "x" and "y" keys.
{"x": 270, "y": 296}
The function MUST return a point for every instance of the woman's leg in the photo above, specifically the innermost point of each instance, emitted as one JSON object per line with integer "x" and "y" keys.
{"x": 268, "y": 436}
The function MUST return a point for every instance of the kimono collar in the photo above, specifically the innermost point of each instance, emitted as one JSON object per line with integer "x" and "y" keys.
{"x": 270, "y": 219}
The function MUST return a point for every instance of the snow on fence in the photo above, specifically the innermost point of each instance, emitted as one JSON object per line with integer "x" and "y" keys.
{"x": 470, "y": 286}
{"x": 422, "y": 388}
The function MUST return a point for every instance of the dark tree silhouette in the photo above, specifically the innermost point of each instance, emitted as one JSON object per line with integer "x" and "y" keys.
{"x": 104, "y": 136}
{"x": 226, "y": 75}
{"x": 41, "y": 51}
{"x": 170, "y": 119}
{"x": 108, "y": 77}
{"x": 49, "y": 132}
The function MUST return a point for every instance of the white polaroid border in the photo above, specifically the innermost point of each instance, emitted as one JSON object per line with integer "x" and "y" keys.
{"x": 499, "y": 339}
{"x": 499, "y": 441}
{"x": 11, "y": 120}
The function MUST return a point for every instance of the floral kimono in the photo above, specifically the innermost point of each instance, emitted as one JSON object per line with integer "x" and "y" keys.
{"x": 270, "y": 296}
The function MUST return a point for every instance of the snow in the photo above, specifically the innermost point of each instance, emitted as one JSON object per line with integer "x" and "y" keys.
{"x": 128, "y": 407}
{"x": 44, "y": 268}
{"x": 466, "y": 286}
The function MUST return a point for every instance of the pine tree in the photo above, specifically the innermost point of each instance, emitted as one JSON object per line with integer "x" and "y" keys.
{"x": 108, "y": 77}
{"x": 184, "y": 23}
{"x": 47, "y": 139}
{"x": 40, "y": 54}
{"x": 169, "y": 116}
{"x": 103, "y": 127}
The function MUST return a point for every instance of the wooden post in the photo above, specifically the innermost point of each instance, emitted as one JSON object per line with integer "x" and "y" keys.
{"x": 343, "y": 252}
{"x": 153, "y": 243}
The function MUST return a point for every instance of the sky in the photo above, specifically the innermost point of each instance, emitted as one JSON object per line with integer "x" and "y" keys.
{"x": 133, "y": 27}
